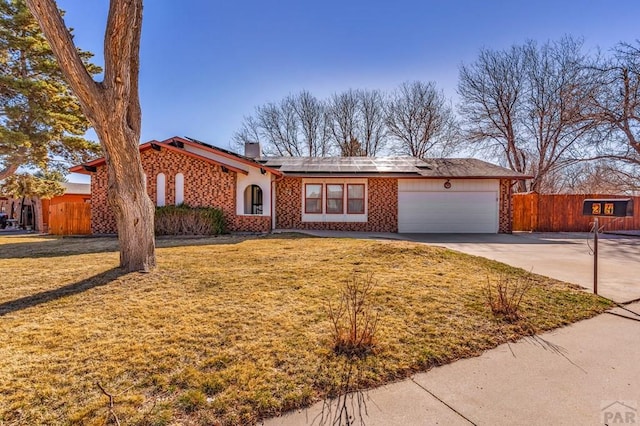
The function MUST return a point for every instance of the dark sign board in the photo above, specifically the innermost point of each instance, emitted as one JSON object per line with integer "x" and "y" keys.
{"x": 619, "y": 207}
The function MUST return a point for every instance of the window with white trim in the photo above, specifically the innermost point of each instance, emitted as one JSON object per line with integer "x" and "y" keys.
{"x": 179, "y": 189}
{"x": 313, "y": 198}
{"x": 253, "y": 200}
{"x": 160, "y": 189}
{"x": 335, "y": 199}
{"x": 355, "y": 198}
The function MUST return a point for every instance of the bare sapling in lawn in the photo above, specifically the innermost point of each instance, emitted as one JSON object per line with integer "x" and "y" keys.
{"x": 354, "y": 320}
{"x": 111, "y": 414}
{"x": 505, "y": 295}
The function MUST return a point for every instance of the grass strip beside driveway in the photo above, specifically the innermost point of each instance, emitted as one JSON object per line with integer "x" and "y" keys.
{"x": 230, "y": 330}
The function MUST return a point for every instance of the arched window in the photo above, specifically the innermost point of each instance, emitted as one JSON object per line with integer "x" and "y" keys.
{"x": 253, "y": 200}
{"x": 179, "y": 188}
{"x": 160, "y": 189}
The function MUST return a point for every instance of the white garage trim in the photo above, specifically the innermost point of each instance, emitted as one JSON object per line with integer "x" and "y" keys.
{"x": 468, "y": 206}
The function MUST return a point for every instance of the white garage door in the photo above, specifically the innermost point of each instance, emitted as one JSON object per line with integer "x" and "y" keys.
{"x": 447, "y": 211}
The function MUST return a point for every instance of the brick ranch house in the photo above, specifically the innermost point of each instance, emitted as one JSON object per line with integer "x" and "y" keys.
{"x": 383, "y": 194}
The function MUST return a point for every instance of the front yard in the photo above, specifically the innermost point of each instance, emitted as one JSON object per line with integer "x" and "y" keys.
{"x": 230, "y": 330}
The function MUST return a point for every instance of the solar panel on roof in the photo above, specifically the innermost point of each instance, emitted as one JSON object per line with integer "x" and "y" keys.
{"x": 433, "y": 167}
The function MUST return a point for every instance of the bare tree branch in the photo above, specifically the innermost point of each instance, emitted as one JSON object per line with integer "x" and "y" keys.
{"x": 344, "y": 112}
{"x": 532, "y": 100}
{"x": 313, "y": 124}
{"x": 419, "y": 120}
{"x": 615, "y": 107}
{"x": 373, "y": 126}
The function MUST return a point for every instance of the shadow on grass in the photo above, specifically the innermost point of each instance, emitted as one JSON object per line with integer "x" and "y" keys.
{"x": 58, "y": 293}
{"x": 56, "y": 247}
{"x": 72, "y": 246}
{"x": 350, "y": 406}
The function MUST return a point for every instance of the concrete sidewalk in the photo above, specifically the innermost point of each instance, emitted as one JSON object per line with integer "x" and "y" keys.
{"x": 583, "y": 374}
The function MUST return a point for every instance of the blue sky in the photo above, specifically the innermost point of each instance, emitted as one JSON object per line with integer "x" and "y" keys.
{"x": 206, "y": 64}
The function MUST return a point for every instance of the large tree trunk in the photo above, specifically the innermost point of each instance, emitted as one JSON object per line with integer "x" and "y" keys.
{"x": 38, "y": 219}
{"x": 113, "y": 107}
{"x": 131, "y": 205}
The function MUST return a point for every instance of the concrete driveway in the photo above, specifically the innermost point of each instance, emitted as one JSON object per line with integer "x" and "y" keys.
{"x": 564, "y": 256}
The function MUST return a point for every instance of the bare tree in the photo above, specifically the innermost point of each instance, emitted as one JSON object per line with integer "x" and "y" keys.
{"x": 344, "y": 109}
{"x": 113, "y": 108}
{"x": 373, "y": 126}
{"x": 558, "y": 89}
{"x": 357, "y": 122}
{"x": 491, "y": 91}
{"x": 351, "y": 123}
{"x": 420, "y": 120}
{"x": 296, "y": 126}
{"x": 529, "y": 101}
{"x": 312, "y": 116}
{"x": 616, "y": 104}
{"x": 603, "y": 176}
{"x": 248, "y": 133}
{"x": 279, "y": 124}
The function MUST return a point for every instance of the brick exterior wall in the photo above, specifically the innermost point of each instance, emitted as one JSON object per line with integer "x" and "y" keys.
{"x": 250, "y": 224}
{"x": 382, "y": 207}
{"x": 205, "y": 185}
{"x": 382, "y": 203}
{"x": 505, "y": 219}
{"x": 103, "y": 220}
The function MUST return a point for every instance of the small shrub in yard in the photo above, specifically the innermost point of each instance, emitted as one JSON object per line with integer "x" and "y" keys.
{"x": 504, "y": 297}
{"x": 353, "y": 318}
{"x": 186, "y": 220}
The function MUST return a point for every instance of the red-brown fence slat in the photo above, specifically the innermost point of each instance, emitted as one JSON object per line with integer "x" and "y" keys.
{"x": 563, "y": 213}
{"x": 70, "y": 219}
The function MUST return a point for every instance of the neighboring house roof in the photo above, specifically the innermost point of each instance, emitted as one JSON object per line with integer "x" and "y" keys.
{"x": 77, "y": 188}
{"x": 177, "y": 144}
{"x": 394, "y": 166}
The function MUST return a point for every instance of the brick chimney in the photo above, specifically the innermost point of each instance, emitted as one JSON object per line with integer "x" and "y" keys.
{"x": 252, "y": 150}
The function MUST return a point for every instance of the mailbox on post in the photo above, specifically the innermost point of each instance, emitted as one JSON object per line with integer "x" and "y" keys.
{"x": 618, "y": 207}
{"x": 615, "y": 207}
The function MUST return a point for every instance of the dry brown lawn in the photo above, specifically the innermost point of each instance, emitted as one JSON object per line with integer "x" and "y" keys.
{"x": 230, "y": 330}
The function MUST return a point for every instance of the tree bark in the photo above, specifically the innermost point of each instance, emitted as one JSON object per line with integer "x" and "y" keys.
{"x": 113, "y": 108}
{"x": 130, "y": 203}
{"x": 38, "y": 218}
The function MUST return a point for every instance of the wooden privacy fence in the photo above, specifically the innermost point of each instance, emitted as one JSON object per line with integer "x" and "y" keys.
{"x": 70, "y": 219}
{"x": 559, "y": 212}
